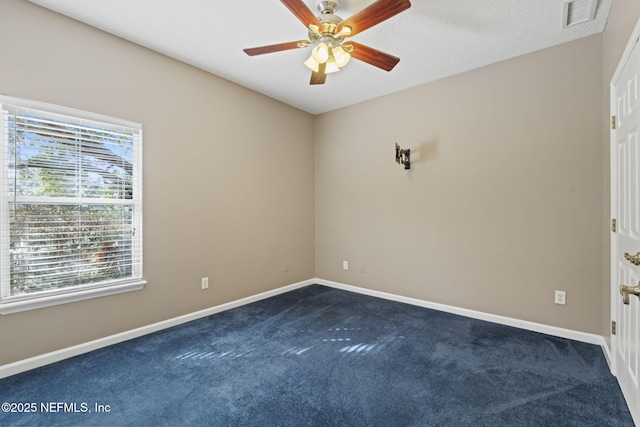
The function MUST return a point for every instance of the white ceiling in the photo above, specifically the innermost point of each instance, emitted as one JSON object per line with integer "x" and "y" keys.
{"x": 434, "y": 39}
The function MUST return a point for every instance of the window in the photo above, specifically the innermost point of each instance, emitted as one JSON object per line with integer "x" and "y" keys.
{"x": 70, "y": 205}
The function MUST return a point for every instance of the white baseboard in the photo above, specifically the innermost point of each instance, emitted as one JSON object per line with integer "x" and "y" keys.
{"x": 607, "y": 355}
{"x": 65, "y": 353}
{"x": 522, "y": 324}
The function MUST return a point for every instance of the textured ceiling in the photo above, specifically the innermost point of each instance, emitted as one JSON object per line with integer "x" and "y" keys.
{"x": 434, "y": 39}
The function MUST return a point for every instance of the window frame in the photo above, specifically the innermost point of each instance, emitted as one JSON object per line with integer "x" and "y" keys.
{"x": 28, "y": 301}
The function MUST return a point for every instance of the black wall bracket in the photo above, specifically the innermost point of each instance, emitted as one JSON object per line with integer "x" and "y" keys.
{"x": 403, "y": 156}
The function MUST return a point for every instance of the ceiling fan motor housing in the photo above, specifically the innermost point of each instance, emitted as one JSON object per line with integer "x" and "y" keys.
{"x": 329, "y": 29}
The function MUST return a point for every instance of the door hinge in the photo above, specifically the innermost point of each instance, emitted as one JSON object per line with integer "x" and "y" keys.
{"x": 613, "y": 225}
{"x": 613, "y": 327}
{"x": 613, "y": 122}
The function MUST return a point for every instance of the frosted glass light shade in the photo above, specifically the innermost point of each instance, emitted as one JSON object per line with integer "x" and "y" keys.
{"x": 312, "y": 64}
{"x": 332, "y": 66}
{"x": 320, "y": 53}
{"x": 341, "y": 56}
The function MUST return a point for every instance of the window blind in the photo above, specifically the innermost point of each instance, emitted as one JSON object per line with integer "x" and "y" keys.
{"x": 71, "y": 215}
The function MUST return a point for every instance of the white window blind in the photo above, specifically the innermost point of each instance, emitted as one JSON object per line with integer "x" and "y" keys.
{"x": 71, "y": 203}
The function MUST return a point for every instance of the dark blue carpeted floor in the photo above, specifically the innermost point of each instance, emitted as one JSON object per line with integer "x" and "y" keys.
{"x": 319, "y": 356}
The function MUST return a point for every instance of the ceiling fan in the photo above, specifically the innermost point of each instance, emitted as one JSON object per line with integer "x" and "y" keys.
{"x": 327, "y": 34}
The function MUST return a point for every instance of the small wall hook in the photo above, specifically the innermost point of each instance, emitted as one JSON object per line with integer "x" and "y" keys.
{"x": 403, "y": 156}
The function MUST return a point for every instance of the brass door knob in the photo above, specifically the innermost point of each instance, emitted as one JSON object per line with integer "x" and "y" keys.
{"x": 625, "y": 291}
{"x": 633, "y": 259}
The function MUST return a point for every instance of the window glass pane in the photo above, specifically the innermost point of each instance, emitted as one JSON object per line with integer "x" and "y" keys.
{"x": 55, "y": 246}
{"x": 54, "y": 158}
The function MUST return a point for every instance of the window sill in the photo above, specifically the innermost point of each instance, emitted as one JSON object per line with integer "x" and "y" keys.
{"x": 48, "y": 301}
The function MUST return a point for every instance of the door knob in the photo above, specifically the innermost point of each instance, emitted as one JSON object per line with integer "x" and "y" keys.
{"x": 633, "y": 259}
{"x": 625, "y": 291}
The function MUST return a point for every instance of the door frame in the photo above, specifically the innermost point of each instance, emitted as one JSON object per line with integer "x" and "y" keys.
{"x": 613, "y": 187}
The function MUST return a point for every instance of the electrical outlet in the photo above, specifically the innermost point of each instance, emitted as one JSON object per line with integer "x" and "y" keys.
{"x": 362, "y": 268}
{"x": 345, "y": 265}
{"x": 561, "y": 298}
{"x": 285, "y": 267}
{"x": 205, "y": 283}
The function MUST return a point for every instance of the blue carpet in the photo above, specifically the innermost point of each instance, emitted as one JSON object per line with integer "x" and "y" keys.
{"x": 319, "y": 356}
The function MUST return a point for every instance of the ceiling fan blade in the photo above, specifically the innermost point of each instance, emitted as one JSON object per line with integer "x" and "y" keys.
{"x": 374, "y": 14}
{"x": 319, "y": 77}
{"x": 373, "y": 56}
{"x": 302, "y": 12}
{"x": 275, "y": 47}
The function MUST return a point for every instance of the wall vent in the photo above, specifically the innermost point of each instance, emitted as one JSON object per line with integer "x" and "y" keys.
{"x": 578, "y": 11}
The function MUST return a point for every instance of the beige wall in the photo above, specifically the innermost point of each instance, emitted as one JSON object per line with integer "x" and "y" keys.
{"x": 228, "y": 176}
{"x": 622, "y": 19}
{"x": 502, "y": 205}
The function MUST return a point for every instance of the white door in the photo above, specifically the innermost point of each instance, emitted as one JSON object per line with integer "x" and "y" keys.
{"x": 625, "y": 245}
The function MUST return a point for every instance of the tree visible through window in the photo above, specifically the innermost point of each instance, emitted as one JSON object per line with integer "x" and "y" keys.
{"x": 71, "y": 201}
